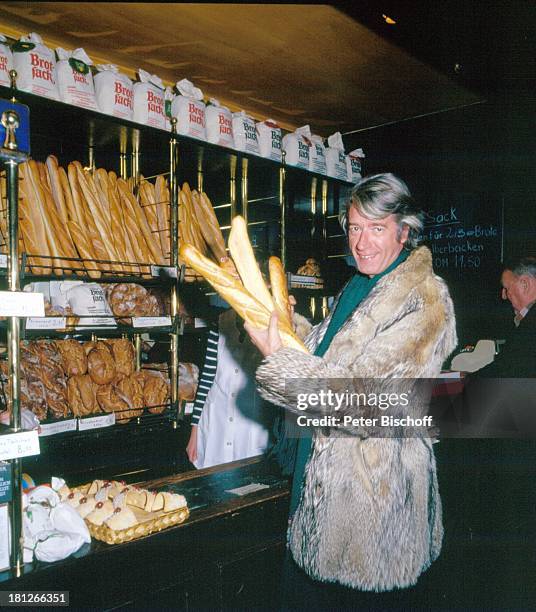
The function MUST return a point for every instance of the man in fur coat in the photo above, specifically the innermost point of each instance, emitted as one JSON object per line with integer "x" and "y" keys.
{"x": 369, "y": 512}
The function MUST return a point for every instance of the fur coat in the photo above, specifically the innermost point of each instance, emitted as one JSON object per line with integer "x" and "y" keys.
{"x": 369, "y": 515}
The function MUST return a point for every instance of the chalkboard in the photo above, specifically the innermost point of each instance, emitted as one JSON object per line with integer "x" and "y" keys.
{"x": 464, "y": 231}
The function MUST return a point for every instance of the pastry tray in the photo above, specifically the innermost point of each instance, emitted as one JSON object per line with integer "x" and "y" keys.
{"x": 148, "y": 522}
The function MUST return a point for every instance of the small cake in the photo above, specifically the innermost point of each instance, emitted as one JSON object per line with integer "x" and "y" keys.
{"x": 136, "y": 498}
{"x": 173, "y": 501}
{"x": 64, "y": 492}
{"x": 101, "y": 512}
{"x": 74, "y": 497}
{"x": 95, "y": 486}
{"x": 87, "y": 505}
{"x": 150, "y": 498}
{"x": 122, "y": 518}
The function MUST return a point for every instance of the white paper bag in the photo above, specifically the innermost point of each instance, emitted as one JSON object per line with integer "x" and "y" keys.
{"x": 88, "y": 300}
{"x": 6, "y": 62}
{"x": 75, "y": 80}
{"x": 114, "y": 92}
{"x": 336, "y": 158}
{"x": 354, "y": 164}
{"x": 35, "y": 64}
{"x": 219, "y": 124}
{"x": 269, "y": 137}
{"x": 149, "y": 102}
{"x": 245, "y": 133}
{"x": 317, "y": 155}
{"x": 189, "y": 109}
{"x": 297, "y": 147}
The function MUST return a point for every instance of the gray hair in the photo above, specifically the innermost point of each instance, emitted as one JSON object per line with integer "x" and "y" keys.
{"x": 380, "y": 195}
{"x": 523, "y": 266}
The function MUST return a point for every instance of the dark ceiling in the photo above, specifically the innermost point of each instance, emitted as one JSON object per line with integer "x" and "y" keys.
{"x": 487, "y": 46}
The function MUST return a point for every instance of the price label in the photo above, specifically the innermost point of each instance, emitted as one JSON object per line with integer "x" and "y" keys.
{"x": 97, "y": 422}
{"x": 188, "y": 408}
{"x": 21, "y": 304}
{"x": 46, "y": 323}
{"x": 20, "y": 444}
{"x": 151, "y": 321}
{"x": 164, "y": 271}
{"x": 3, "y": 261}
{"x": 90, "y": 322}
{"x": 247, "y": 489}
{"x": 49, "y": 429}
{"x": 199, "y": 322}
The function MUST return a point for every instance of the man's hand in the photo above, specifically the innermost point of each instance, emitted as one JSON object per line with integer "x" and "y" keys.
{"x": 191, "y": 448}
{"x": 268, "y": 341}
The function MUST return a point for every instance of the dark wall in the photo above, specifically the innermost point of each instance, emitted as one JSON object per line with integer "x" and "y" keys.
{"x": 482, "y": 158}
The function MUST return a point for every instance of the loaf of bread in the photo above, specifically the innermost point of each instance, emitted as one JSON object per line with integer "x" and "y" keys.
{"x": 244, "y": 260}
{"x": 73, "y": 356}
{"x": 81, "y": 394}
{"x": 188, "y": 379}
{"x": 278, "y": 284}
{"x": 100, "y": 364}
{"x": 231, "y": 290}
{"x": 133, "y": 300}
{"x": 155, "y": 390}
{"x": 124, "y": 356}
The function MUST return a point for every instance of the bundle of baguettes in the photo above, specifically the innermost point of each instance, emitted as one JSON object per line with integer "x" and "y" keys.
{"x": 250, "y": 298}
{"x": 92, "y": 216}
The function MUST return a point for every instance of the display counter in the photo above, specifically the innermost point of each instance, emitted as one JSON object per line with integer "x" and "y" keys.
{"x": 228, "y": 553}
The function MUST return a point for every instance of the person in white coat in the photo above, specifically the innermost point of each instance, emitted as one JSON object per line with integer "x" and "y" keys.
{"x": 230, "y": 420}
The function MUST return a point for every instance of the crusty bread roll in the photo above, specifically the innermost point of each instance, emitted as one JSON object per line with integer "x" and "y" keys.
{"x": 81, "y": 395}
{"x": 100, "y": 364}
{"x": 73, "y": 356}
{"x": 244, "y": 259}
{"x": 278, "y": 284}
{"x": 231, "y": 290}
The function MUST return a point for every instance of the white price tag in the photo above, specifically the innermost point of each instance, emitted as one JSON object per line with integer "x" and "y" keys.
{"x": 151, "y": 321}
{"x": 90, "y": 322}
{"x": 49, "y": 429}
{"x": 165, "y": 271}
{"x": 46, "y": 323}
{"x": 21, "y": 304}
{"x": 96, "y": 422}
{"x": 20, "y": 444}
{"x": 199, "y": 323}
{"x": 6, "y": 537}
{"x": 250, "y": 488}
{"x": 3, "y": 260}
{"x": 188, "y": 408}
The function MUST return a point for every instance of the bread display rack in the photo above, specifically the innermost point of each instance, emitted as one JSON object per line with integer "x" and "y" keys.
{"x": 262, "y": 190}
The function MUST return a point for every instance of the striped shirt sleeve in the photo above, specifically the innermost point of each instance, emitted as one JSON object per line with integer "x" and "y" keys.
{"x": 207, "y": 376}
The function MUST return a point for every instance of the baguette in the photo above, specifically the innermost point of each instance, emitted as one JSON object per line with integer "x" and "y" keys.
{"x": 237, "y": 296}
{"x": 210, "y": 228}
{"x": 244, "y": 259}
{"x": 163, "y": 214}
{"x": 278, "y": 284}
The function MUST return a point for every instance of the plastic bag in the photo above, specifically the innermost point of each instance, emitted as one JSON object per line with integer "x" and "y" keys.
{"x": 53, "y": 530}
{"x": 149, "y": 101}
{"x": 245, "y": 133}
{"x": 75, "y": 80}
{"x": 189, "y": 109}
{"x": 269, "y": 136}
{"x": 6, "y": 61}
{"x": 114, "y": 92}
{"x": 35, "y": 64}
{"x": 219, "y": 124}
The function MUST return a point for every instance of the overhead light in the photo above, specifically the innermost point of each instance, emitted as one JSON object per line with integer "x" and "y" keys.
{"x": 388, "y": 20}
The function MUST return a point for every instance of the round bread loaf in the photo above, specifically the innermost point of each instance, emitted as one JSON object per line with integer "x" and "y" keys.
{"x": 124, "y": 356}
{"x": 131, "y": 300}
{"x": 73, "y": 356}
{"x": 155, "y": 390}
{"x": 100, "y": 364}
{"x": 81, "y": 394}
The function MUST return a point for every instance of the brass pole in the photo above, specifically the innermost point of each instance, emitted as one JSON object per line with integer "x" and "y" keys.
{"x": 283, "y": 208}
{"x": 244, "y": 188}
{"x": 13, "y": 340}
{"x": 174, "y": 257}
